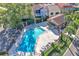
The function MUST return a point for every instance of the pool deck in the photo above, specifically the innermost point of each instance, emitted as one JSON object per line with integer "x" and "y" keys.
{"x": 47, "y": 37}
{"x": 44, "y": 39}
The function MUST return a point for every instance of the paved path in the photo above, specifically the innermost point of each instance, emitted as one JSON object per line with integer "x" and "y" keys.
{"x": 72, "y": 50}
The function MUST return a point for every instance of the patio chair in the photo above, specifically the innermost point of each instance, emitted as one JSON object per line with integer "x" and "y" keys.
{"x": 38, "y": 54}
{"x": 49, "y": 43}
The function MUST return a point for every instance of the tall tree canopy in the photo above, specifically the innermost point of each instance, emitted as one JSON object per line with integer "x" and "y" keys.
{"x": 15, "y": 12}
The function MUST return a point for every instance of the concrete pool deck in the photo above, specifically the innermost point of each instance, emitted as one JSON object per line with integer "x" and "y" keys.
{"x": 47, "y": 37}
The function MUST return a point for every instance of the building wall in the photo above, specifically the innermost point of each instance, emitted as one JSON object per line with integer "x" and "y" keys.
{"x": 43, "y": 13}
{"x": 53, "y": 9}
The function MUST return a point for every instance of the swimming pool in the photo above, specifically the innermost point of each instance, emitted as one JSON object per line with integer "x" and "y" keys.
{"x": 29, "y": 40}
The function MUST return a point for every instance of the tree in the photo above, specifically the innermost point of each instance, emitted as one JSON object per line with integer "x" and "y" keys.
{"x": 14, "y": 14}
{"x": 70, "y": 29}
{"x": 2, "y": 15}
{"x": 29, "y": 13}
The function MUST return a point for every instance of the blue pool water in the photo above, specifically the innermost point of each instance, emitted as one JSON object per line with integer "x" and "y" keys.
{"x": 29, "y": 39}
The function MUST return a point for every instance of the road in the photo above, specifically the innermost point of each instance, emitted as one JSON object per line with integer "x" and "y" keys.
{"x": 72, "y": 50}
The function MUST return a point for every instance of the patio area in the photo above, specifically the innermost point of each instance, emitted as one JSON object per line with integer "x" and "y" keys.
{"x": 44, "y": 39}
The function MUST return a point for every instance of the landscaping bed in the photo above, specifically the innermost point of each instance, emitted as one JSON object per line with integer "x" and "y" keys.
{"x": 58, "y": 49}
{"x": 3, "y": 53}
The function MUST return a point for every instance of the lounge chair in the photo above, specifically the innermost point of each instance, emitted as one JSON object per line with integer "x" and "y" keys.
{"x": 38, "y": 54}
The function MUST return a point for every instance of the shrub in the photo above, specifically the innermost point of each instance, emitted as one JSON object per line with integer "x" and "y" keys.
{"x": 48, "y": 52}
{"x": 3, "y": 53}
{"x": 70, "y": 29}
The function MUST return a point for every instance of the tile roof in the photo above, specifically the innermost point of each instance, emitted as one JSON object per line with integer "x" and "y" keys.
{"x": 66, "y": 5}
{"x": 58, "y": 19}
{"x": 41, "y": 5}
{"x": 36, "y": 6}
{"x": 60, "y": 5}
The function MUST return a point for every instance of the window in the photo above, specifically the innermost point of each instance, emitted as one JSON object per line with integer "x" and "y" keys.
{"x": 37, "y": 11}
{"x": 51, "y": 13}
{"x": 57, "y": 12}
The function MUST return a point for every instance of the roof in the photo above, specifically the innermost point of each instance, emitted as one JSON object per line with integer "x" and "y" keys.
{"x": 60, "y": 5}
{"x": 53, "y": 7}
{"x": 41, "y": 5}
{"x": 38, "y": 6}
{"x": 57, "y": 20}
{"x": 66, "y": 5}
